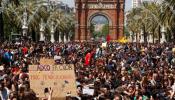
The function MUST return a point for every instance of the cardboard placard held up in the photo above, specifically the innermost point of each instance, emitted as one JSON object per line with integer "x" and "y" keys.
{"x": 61, "y": 78}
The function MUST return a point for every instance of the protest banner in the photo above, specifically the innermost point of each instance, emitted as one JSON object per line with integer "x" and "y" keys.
{"x": 61, "y": 78}
{"x": 88, "y": 91}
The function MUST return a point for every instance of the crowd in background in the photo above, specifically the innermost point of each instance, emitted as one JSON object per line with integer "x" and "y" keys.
{"x": 127, "y": 71}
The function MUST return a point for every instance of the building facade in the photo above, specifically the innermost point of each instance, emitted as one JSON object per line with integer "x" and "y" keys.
{"x": 57, "y": 4}
{"x": 136, "y": 3}
{"x": 99, "y": 13}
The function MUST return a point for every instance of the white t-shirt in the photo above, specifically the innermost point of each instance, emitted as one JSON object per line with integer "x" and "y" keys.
{"x": 173, "y": 87}
{"x": 57, "y": 57}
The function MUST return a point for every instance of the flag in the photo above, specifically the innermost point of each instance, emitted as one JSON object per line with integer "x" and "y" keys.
{"x": 87, "y": 59}
{"x": 123, "y": 40}
{"x": 108, "y": 38}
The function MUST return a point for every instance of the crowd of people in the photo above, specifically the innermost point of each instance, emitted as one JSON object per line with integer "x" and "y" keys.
{"x": 117, "y": 71}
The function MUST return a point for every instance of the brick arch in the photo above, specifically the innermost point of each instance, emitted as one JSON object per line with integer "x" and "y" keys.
{"x": 87, "y": 9}
{"x": 92, "y": 15}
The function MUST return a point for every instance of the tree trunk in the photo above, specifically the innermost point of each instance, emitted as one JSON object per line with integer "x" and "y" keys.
{"x": 173, "y": 32}
{"x": 33, "y": 35}
{"x": 168, "y": 35}
{"x": 145, "y": 35}
{"x": 56, "y": 35}
{"x": 153, "y": 36}
{"x": 1, "y": 26}
{"x": 159, "y": 34}
{"x": 136, "y": 37}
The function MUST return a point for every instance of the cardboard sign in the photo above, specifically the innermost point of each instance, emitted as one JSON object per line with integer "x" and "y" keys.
{"x": 173, "y": 50}
{"x": 104, "y": 45}
{"x": 88, "y": 91}
{"x": 61, "y": 78}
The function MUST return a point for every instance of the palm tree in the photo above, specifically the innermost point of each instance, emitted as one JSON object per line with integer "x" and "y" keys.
{"x": 36, "y": 12}
{"x": 153, "y": 10}
{"x": 64, "y": 22}
{"x": 14, "y": 16}
{"x": 133, "y": 19}
{"x": 70, "y": 23}
{"x": 150, "y": 19}
{"x": 168, "y": 16}
{"x": 15, "y": 2}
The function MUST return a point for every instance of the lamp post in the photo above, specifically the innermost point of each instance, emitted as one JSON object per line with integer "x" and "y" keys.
{"x": 50, "y": 8}
{"x": 163, "y": 31}
{"x": 131, "y": 36}
{"x": 42, "y": 38}
{"x": 24, "y": 26}
{"x": 60, "y": 38}
{"x": 142, "y": 37}
{"x": 52, "y": 39}
{"x": 150, "y": 38}
{"x": 65, "y": 33}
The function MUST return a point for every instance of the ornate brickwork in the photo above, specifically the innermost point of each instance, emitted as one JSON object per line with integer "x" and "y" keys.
{"x": 87, "y": 9}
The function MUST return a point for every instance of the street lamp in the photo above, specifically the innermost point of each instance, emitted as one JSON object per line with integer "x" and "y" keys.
{"x": 131, "y": 36}
{"x": 52, "y": 33}
{"x": 50, "y": 9}
{"x": 60, "y": 34}
{"x": 163, "y": 31}
{"x": 42, "y": 38}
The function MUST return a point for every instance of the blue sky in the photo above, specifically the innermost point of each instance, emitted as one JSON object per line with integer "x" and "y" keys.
{"x": 128, "y": 5}
{"x": 71, "y": 3}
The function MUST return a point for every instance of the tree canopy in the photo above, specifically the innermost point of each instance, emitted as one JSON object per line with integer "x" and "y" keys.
{"x": 150, "y": 17}
{"x": 37, "y": 13}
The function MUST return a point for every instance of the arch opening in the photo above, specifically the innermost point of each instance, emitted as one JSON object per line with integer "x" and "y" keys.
{"x": 99, "y": 26}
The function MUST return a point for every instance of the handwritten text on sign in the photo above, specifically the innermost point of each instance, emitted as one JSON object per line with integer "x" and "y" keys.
{"x": 61, "y": 78}
{"x": 51, "y": 67}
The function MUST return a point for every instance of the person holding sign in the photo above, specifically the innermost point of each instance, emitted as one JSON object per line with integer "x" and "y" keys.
{"x": 48, "y": 93}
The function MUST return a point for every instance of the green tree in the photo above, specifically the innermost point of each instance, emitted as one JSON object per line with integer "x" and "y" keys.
{"x": 92, "y": 29}
{"x": 126, "y": 32}
{"x": 168, "y": 17}
{"x": 149, "y": 18}
{"x": 105, "y": 30}
{"x": 153, "y": 18}
{"x": 13, "y": 14}
{"x": 133, "y": 21}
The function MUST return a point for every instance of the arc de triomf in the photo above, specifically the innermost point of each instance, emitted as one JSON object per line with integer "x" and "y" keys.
{"x": 96, "y": 17}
